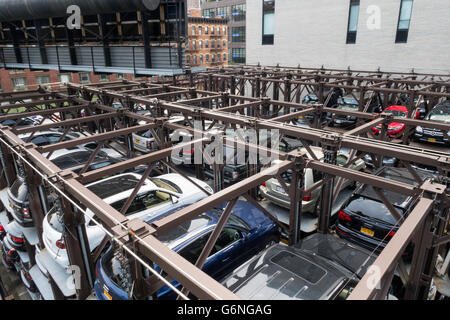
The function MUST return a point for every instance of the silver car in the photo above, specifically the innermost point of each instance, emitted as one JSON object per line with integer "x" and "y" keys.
{"x": 273, "y": 191}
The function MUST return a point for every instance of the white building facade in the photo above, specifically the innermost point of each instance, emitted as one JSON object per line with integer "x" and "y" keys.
{"x": 393, "y": 35}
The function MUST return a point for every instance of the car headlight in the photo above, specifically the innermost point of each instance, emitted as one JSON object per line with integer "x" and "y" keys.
{"x": 419, "y": 130}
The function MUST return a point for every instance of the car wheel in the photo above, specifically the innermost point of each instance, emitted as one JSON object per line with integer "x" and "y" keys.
{"x": 272, "y": 240}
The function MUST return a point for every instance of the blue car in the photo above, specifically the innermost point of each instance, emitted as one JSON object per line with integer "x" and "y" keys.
{"x": 247, "y": 232}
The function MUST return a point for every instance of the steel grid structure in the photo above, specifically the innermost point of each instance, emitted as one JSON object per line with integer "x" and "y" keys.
{"x": 424, "y": 226}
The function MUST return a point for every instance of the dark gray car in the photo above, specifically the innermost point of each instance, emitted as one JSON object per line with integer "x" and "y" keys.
{"x": 321, "y": 267}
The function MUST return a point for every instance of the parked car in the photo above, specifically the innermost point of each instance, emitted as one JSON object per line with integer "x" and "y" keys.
{"x": 10, "y": 257}
{"x": 19, "y": 123}
{"x": 366, "y": 221}
{"x": 440, "y": 113}
{"x": 273, "y": 191}
{"x": 248, "y": 231}
{"x": 312, "y": 98}
{"x": 156, "y": 196}
{"x": 321, "y": 267}
{"x": 386, "y": 162}
{"x": 74, "y": 159}
{"x": 350, "y": 102}
{"x": 395, "y": 129}
{"x": 144, "y": 141}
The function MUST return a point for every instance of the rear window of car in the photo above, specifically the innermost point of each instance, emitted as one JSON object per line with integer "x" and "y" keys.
{"x": 19, "y": 190}
{"x": 373, "y": 209}
{"x": 299, "y": 266}
{"x": 166, "y": 184}
{"x": 114, "y": 186}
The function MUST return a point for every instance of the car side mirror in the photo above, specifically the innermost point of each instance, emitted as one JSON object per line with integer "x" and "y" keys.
{"x": 175, "y": 199}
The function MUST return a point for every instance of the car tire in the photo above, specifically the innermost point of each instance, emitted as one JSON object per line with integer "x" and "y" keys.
{"x": 272, "y": 240}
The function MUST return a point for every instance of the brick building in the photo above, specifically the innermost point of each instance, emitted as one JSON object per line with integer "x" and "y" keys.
{"x": 19, "y": 80}
{"x": 207, "y": 43}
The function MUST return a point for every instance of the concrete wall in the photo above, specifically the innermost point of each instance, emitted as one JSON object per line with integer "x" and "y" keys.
{"x": 313, "y": 33}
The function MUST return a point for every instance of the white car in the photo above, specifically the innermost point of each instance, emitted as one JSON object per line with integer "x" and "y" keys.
{"x": 144, "y": 141}
{"x": 157, "y": 196}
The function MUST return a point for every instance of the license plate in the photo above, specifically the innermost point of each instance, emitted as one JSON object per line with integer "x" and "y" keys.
{"x": 431, "y": 140}
{"x": 367, "y": 231}
{"x": 280, "y": 189}
{"x": 107, "y": 295}
{"x": 300, "y": 117}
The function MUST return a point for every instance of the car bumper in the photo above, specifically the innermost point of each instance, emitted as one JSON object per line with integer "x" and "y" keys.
{"x": 365, "y": 242}
{"x": 432, "y": 139}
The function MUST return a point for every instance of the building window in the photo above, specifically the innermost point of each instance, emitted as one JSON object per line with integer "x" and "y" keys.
{"x": 268, "y": 21}
{"x": 86, "y": 77}
{"x": 206, "y": 30}
{"x": 207, "y": 58}
{"x": 404, "y": 21}
{"x": 194, "y": 44}
{"x": 42, "y": 79}
{"x": 213, "y": 58}
{"x": 238, "y": 12}
{"x": 224, "y": 31}
{"x": 199, "y": 30}
{"x": 353, "y": 21}
{"x": 213, "y": 44}
{"x": 223, "y": 12}
{"x": 188, "y": 59}
{"x": 118, "y": 76}
{"x": 64, "y": 78}
{"x": 104, "y": 77}
{"x": 212, "y": 30}
{"x": 238, "y": 34}
{"x": 206, "y": 44}
{"x": 209, "y": 13}
{"x": 218, "y": 58}
{"x": 193, "y": 30}
{"x": 238, "y": 55}
{"x": 224, "y": 57}
{"x": 195, "y": 59}
{"x": 224, "y": 44}
{"x": 201, "y": 59}
{"x": 200, "y": 44}
{"x": 218, "y": 31}
{"x": 19, "y": 83}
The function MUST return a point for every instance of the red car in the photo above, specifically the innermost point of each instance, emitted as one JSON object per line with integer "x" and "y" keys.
{"x": 395, "y": 129}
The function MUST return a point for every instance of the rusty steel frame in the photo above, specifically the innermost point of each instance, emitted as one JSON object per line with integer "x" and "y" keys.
{"x": 198, "y": 104}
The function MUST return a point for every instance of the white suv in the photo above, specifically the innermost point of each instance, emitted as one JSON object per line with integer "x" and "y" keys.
{"x": 156, "y": 196}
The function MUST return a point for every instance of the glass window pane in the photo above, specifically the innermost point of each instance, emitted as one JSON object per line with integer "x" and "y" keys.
{"x": 353, "y": 20}
{"x": 269, "y": 23}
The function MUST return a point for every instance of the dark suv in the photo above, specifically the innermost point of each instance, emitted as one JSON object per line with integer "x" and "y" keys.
{"x": 319, "y": 267}
{"x": 440, "y": 113}
{"x": 366, "y": 221}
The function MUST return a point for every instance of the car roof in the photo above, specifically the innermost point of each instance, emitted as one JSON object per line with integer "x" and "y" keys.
{"x": 296, "y": 272}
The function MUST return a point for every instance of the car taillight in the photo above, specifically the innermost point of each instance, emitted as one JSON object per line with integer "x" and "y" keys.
{"x": 26, "y": 212}
{"x": 11, "y": 252}
{"x": 17, "y": 240}
{"x": 343, "y": 216}
{"x": 2, "y": 229}
{"x": 307, "y": 196}
{"x": 149, "y": 144}
{"x": 60, "y": 244}
{"x": 188, "y": 151}
{"x": 340, "y": 231}
{"x": 391, "y": 233}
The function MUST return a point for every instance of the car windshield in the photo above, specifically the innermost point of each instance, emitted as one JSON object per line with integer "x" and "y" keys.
{"x": 108, "y": 188}
{"x": 166, "y": 184}
{"x": 233, "y": 219}
{"x": 440, "y": 114}
{"x": 189, "y": 226}
{"x": 348, "y": 101}
{"x": 55, "y": 220}
{"x": 396, "y": 113}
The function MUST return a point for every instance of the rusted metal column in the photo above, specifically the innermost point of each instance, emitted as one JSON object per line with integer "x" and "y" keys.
{"x": 296, "y": 195}
{"x": 330, "y": 149}
{"x": 7, "y": 161}
{"x": 77, "y": 246}
{"x": 425, "y": 252}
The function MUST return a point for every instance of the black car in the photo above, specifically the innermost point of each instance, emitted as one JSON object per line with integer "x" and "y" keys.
{"x": 440, "y": 113}
{"x": 75, "y": 159}
{"x": 366, "y": 221}
{"x": 312, "y": 98}
{"x": 350, "y": 102}
{"x": 21, "y": 123}
{"x": 321, "y": 266}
